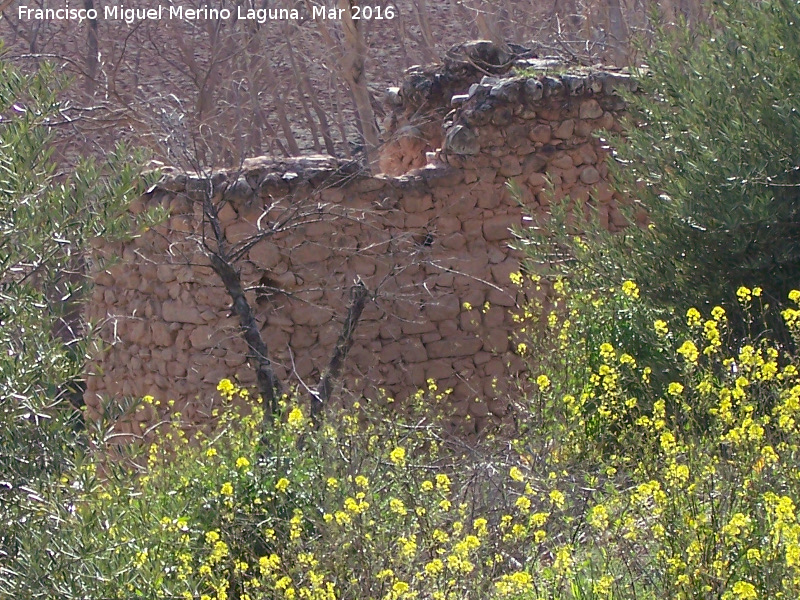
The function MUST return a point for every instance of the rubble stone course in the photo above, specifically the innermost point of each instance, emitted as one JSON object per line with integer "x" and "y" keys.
{"x": 429, "y": 238}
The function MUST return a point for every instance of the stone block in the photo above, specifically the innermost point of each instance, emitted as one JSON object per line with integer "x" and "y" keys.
{"x": 455, "y": 241}
{"x": 537, "y": 181}
{"x": 439, "y": 370}
{"x": 580, "y": 194}
{"x": 510, "y": 166}
{"x": 497, "y": 151}
{"x": 501, "y": 272}
{"x": 417, "y": 203}
{"x": 391, "y": 330}
{"x": 448, "y": 329}
{"x": 517, "y": 134}
{"x": 590, "y": 175}
{"x": 165, "y": 273}
{"x": 332, "y": 195}
{"x": 590, "y": 109}
{"x": 486, "y": 174}
{"x": 182, "y": 224}
{"x": 176, "y": 370}
{"x": 496, "y": 341}
{"x": 469, "y": 321}
{"x": 443, "y": 309}
{"x": 567, "y": 176}
{"x": 309, "y": 253}
{"x": 390, "y": 353}
{"x": 603, "y": 192}
{"x": 363, "y": 265}
{"x": 501, "y": 298}
{"x": 310, "y": 315}
{"x": 139, "y": 333}
{"x": 473, "y": 229}
{"x": 303, "y": 337}
{"x": 370, "y": 184}
{"x": 481, "y": 358}
{"x": 541, "y": 134}
{"x": 461, "y": 140}
{"x": 562, "y": 161}
{"x": 496, "y": 253}
{"x": 583, "y": 129}
{"x": 565, "y": 130}
{"x": 489, "y": 200}
{"x": 448, "y": 225}
{"x": 607, "y": 121}
{"x": 534, "y": 163}
{"x": 618, "y": 219}
{"x": 238, "y": 231}
{"x": 498, "y": 406}
{"x": 498, "y": 228}
{"x": 451, "y": 348}
{"x": 494, "y": 317}
{"x": 433, "y": 336}
{"x": 413, "y": 351}
{"x": 227, "y": 214}
{"x": 442, "y": 280}
{"x": 418, "y": 220}
{"x": 494, "y": 368}
{"x": 418, "y": 327}
{"x": 174, "y": 311}
{"x": 588, "y": 154}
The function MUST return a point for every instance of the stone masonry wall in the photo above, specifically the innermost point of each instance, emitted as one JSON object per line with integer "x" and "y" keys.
{"x": 425, "y": 241}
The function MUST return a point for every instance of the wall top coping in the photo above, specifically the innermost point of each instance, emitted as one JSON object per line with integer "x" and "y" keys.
{"x": 265, "y": 177}
{"x": 482, "y": 65}
{"x": 475, "y": 81}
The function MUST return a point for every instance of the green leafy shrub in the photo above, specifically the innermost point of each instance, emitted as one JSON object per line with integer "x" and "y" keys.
{"x": 695, "y": 491}
{"x": 709, "y": 151}
{"x": 375, "y": 507}
{"x": 47, "y": 220}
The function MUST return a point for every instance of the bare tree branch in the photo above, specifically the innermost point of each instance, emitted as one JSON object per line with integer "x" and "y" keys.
{"x": 358, "y": 298}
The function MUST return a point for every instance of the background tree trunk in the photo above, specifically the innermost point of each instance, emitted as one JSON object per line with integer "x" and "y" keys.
{"x": 353, "y": 70}
{"x": 617, "y": 34}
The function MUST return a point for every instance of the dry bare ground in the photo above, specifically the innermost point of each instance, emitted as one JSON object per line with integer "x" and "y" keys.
{"x": 214, "y": 91}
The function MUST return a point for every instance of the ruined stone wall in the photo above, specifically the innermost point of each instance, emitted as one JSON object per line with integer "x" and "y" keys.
{"x": 428, "y": 243}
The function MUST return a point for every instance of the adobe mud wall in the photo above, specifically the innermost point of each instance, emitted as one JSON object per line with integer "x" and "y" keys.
{"x": 429, "y": 241}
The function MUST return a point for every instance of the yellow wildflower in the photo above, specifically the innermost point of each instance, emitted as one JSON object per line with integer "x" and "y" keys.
{"x": 689, "y": 351}
{"x": 398, "y": 456}
{"x": 630, "y": 289}
{"x": 226, "y": 387}
{"x": 295, "y": 419}
{"x": 557, "y": 498}
{"x": 675, "y": 389}
{"x": 744, "y": 590}
{"x": 744, "y": 294}
{"x": 661, "y": 327}
{"x": 543, "y": 381}
{"x": 396, "y": 506}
